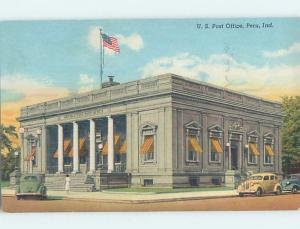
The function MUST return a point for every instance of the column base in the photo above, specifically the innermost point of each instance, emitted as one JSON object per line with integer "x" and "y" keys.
{"x": 75, "y": 172}
{"x": 60, "y": 172}
{"x": 109, "y": 171}
{"x": 91, "y": 172}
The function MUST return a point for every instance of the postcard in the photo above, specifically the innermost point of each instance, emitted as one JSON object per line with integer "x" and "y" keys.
{"x": 150, "y": 115}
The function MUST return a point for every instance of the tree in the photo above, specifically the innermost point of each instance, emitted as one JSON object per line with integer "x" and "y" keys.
{"x": 291, "y": 134}
{"x": 7, "y": 158}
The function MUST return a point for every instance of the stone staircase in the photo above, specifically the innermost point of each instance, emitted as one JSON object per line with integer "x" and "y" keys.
{"x": 79, "y": 182}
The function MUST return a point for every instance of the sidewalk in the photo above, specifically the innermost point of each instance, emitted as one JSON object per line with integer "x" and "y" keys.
{"x": 111, "y": 197}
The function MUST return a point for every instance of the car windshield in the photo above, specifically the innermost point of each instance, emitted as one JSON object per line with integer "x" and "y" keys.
{"x": 255, "y": 178}
{"x": 30, "y": 178}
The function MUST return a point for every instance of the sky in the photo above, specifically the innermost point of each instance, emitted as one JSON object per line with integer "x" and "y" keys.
{"x": 43, "y": 60}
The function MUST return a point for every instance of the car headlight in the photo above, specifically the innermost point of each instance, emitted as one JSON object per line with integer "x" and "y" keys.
{"x": 287, "y": 182}
{"x": 251, "y": 184}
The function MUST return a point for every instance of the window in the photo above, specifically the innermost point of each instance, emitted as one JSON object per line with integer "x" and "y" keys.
{"x": 272, "y": 177}
{"x": 268, "y": 148}
{"x": 266, "y": 177}
{"x": 268, "y": 155}
{"x": 253, "y": 149}
{"x": 253, "y": 153}
{"x": 148, "y": 182}
{"x": 215, "y": 150}
{"x": 215, "y": 144}
{"x": 148, "y": 144}
{"x": 193, "y": 145}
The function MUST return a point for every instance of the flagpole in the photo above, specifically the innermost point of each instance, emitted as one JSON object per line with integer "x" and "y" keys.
{"x": 101, "y": 57}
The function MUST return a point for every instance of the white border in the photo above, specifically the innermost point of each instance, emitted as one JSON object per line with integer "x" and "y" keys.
{"x": 93, "y": 9}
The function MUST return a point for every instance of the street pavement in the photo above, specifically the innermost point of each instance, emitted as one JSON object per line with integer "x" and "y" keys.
{"x": 249, "y": 203}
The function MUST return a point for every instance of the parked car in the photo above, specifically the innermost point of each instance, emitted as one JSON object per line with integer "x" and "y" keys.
{"x": 259, "y": 184}
{"x": 31, "y": 186}
{"x": 291, "y": 183}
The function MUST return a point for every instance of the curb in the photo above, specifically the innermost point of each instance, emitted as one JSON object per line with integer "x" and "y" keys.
{"x": 151, "y": 201}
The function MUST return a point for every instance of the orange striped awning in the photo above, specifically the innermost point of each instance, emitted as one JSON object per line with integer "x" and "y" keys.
{"x": 253, "y": 149}
{"x": 216, "y": 146}
{"x": 269, "y": 150}
{"x": 194, "y": 144}
{"x": 31, "y": 156}
{"x": 116, "y": 145}
{"x": 67, "y": 148}
{"x": 148, "y": 145}
{"x": 82, "y": 150}
{"x": 123, "y": 148}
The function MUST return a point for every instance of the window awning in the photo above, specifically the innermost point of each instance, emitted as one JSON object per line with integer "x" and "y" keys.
{"x": 116, "y": 144}
{"x": 148, "y": 145}
{"x": 269, "y": 150}
{"x": 67, "y": 148}
{"x": 82, "y": 150}
{"x": 216, "y": 146}
{"x": 31, "y": 156}
{"x": 253, "y": 149}
{"x": 194, "y": 144}
{"x": 123, "y": 148}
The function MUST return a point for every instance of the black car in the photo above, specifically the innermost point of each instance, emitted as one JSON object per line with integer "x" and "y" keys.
{"x": 291, "y": 183}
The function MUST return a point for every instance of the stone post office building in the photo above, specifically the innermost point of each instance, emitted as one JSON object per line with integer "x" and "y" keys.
{"x": 166, "y": 131}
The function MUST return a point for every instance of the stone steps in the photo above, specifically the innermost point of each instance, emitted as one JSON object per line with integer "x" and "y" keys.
{"x": 78, "y": 183}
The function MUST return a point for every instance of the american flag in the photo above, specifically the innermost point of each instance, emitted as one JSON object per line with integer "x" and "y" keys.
{"x": 110, "y": 42}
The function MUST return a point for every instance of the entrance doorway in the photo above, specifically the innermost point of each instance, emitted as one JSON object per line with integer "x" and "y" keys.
{"x": 234, "y": 155}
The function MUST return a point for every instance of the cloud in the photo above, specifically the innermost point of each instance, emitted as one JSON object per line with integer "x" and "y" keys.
{"x": 223, "y": 70}
{"x": 32, "y": 91}
{"x": 86, "y": 83}
{"x": 85, "y": 79}
{"x": 134, "y": 41}
{"x": 294, "y": 48}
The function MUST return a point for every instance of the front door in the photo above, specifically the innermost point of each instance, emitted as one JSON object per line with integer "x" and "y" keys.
{"x": 234, "y": 157}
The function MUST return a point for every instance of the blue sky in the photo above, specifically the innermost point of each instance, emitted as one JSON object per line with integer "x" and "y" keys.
{"x": 62, "y": 56}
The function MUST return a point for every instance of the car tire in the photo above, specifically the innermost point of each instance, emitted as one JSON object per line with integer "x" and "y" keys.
{"x": 259, "y": 192}
{"x": 18, "y": 197}
{"x": 241, "y": 194}
{"x": 294, "y": 189}
{"x": 278, "y": 191}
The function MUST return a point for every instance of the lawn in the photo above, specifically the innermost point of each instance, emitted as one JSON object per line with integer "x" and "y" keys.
{"x": 4, "y": 183}
{"x": 169, "y": 190}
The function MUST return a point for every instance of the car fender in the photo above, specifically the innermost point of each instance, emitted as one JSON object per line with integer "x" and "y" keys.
{"x": 257, "y": 186}
{"x": 276, "y": 186}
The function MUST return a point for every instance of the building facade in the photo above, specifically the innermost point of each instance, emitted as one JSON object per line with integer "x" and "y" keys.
{"x": 166, "y": 131}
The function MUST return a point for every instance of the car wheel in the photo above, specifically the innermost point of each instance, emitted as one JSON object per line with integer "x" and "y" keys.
{"x": 241, "y": 194}
{"x": 294, "y": 189}
{"x": 258, "y": 192}
{"x": 18, "y": 197}
{"x": 278, "y": 191}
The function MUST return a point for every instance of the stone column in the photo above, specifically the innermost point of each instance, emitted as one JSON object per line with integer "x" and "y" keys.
{"x": 75, "y": 148}
{"x": 92, "y": 147}
{"x": 205, "y": 154}
{"x": 43, "y": 148}
{"x": 261, "y": 147}
{"x": 110, "y": 142}
{"x": 60, "y": 148}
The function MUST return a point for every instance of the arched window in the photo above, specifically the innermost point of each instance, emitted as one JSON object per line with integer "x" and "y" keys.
{"x": 193, "y": 141}
{"x": 148, "y": 142}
